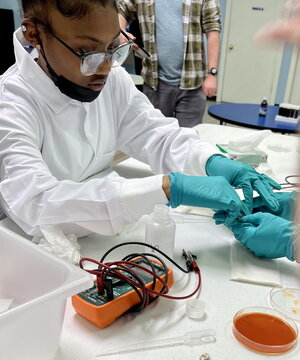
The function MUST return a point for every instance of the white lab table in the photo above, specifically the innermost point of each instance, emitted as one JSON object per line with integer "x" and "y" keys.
{"x": 164, "y": 318}
{"x": 283, "y": 150}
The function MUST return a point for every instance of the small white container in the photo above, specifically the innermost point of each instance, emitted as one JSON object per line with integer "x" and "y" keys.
{"x": 195, "y": 308}
{"x": 39, "y": 284}
{"x": 160, "y": 230}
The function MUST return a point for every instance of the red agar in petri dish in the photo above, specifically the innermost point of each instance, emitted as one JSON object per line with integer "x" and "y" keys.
{"x": 265, "y": 330}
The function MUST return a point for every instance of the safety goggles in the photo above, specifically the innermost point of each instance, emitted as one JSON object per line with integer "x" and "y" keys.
{"x": 92, "y": 60}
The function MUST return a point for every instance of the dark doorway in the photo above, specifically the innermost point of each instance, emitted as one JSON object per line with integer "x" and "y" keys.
{"x": 6, "y": 39}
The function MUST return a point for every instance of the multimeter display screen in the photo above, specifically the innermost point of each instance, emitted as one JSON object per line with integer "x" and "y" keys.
{"x": 159, "y": 270}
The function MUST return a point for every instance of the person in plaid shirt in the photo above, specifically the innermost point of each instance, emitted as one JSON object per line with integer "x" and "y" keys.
{"x": 177, "y": 77}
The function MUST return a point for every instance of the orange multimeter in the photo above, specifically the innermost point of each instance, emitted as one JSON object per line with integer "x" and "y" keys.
{"x": 102, "y": 311}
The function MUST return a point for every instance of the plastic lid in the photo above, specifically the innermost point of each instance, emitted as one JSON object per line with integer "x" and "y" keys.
{"x": 265, "y": 330}
{"x": 286, "y": 300}
{"x": 161, "y": 211}
{"x": 195, "y": 308}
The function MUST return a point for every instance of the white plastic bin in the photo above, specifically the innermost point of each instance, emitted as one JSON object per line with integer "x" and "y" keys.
{"x": 39, "y": 284}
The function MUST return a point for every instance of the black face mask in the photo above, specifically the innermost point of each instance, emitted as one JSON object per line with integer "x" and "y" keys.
{"x": 69, "y": 88}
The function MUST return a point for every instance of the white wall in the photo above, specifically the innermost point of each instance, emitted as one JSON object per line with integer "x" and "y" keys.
{"x": 14, "y": 5}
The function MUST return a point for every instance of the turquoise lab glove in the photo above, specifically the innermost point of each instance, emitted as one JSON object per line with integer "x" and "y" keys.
{"x": 286, "y": 200}
{"x": 244, "y": 176}
{"x": 202, "y": 191}
{"x": 266, "y": 235}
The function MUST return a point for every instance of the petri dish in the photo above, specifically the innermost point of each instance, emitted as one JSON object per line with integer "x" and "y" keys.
{"x": 265, "y": 330}
{"x": 286, "y": 300}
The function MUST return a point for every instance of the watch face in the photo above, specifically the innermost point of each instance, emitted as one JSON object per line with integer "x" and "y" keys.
{"x": 213, "y": 71}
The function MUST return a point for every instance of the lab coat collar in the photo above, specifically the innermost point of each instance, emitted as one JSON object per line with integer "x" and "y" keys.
{"x": 34, "y": 75}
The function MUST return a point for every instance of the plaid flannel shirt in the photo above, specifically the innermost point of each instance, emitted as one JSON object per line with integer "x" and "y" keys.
{"x": 198, "y": 16}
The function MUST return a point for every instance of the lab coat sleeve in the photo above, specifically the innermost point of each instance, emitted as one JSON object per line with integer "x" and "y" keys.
{"x": 31, "y": 196}
{"x": 146, "y": 135}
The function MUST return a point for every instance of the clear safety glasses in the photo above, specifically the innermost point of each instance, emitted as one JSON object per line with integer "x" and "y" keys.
{"x": 92, "y": 60}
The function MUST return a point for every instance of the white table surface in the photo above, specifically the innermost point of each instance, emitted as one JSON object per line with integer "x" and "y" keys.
{"x": 81, "y": 340}
{"x": 283, "y": 150}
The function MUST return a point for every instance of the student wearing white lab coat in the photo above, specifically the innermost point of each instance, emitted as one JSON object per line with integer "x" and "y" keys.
{"x": 62, "y": 119}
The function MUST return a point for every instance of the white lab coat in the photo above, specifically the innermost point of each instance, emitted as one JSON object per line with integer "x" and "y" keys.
{"x": 50, "y": 144}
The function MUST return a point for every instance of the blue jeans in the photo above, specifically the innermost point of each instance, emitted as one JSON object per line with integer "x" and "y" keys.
{"x": 187, "y": 106}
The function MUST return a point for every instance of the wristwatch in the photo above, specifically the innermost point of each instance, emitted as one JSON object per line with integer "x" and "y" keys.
{"x": 213, "y": 71}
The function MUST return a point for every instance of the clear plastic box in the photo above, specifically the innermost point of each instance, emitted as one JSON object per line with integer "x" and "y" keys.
{"x": 39, "y": 284}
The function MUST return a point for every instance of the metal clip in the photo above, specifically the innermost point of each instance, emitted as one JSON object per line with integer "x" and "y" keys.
{"x": 189, "y": 257}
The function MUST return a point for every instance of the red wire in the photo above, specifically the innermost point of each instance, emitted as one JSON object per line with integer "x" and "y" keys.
{"x": 119, "y": 275}
{"x": 120, "y": 263}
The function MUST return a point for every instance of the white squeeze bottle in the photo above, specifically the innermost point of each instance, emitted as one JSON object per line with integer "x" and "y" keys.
{"x": 160, "y": 231}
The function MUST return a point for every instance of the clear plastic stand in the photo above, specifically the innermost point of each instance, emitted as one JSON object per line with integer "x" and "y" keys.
{"x": 190, "y": 338}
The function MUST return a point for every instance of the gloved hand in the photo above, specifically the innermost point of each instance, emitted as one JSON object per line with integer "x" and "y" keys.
{"x": 212, "y": 192}
{"x": 244, "y": 176}
{"x": 286, "y": 205}
{"x": 286, "y": 202}
{"x": 266, "y": 235}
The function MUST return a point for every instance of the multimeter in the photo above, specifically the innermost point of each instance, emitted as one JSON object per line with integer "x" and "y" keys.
{"x": 102, "y": 311}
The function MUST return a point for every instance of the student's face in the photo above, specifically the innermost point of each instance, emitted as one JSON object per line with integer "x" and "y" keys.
{"x": 97, "y": 31}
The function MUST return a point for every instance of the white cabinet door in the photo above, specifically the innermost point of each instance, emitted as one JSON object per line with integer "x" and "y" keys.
{"x": 248, "y": 72}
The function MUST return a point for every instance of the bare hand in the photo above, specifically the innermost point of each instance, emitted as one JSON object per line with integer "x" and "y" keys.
{"x": 209, "y": 86}
{"x": 123, "y": 39}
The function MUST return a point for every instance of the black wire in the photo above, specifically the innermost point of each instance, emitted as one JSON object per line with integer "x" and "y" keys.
{"x": 143, "y": 297}
{"x": 144, "y": 256}
{"x": 143, "y": 300}
{"x": 164, "y": 266}
{"x": 288, "y": 182}
{"x": 144, "y": 244}
{"x": 134, "y": 255}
